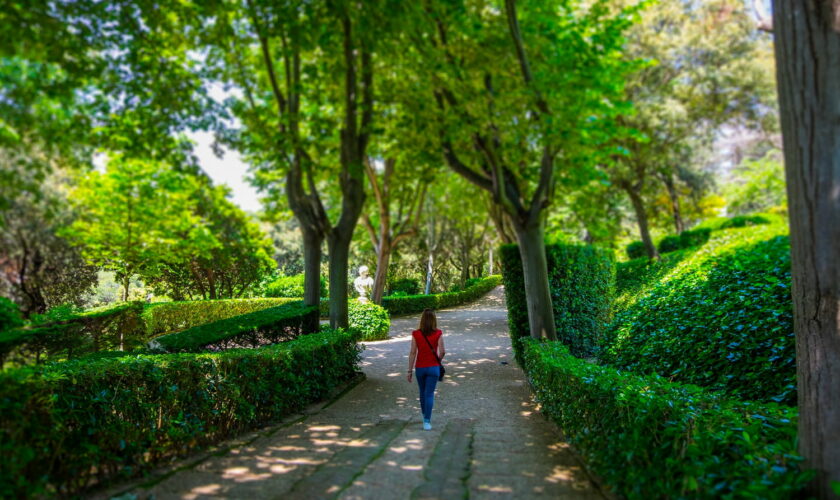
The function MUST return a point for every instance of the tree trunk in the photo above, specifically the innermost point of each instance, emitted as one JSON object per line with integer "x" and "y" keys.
{"x": 339, "y": 250}
{"x": 429, "y": 267}
{"x": 312, "y": 241}
{"x": 490, "y": 270}
{"x": 679, "y": 224}
{"x": 126, "y": 284}
{"x": 383, "y": 260}
{"x": 641, "y": 217}
{"x": 537, "y": 292}
{"x": 808, "y": 71}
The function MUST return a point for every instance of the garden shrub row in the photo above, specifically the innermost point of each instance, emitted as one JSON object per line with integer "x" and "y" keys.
{"x": 64, "y": 427}
{"x": 650, "y": 438}
{"x": 582, "y": 280}
{"x": 721, "y": 318}
{"x": 267, "y": 326}
{"x": 119, "y": 327}
{"x": 412, "y": 304}
{"x": 166, "y": 317}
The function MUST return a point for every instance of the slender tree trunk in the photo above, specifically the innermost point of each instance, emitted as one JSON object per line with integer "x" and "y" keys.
{"x": 211, "y": 284}
{"x": 429, "y": 267}
{"x": 808, "y": 72}
{"x": 339, "y": 251}
{"x": 312, "y": 241}
{"x": 641, "y": 218}
{"x": 383, "y": 260}
{"x": 679, "y": 224}
{"x": 490, "y": 270}
{"x": 126, "y": 284}
{"x": 531, "y": 240}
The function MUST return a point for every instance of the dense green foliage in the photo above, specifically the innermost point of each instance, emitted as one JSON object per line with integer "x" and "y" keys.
{"x": 720, "y": 317}
{"x": 582, "y": 280}
{"x": 289, "y": 286}
{"x": 370, "y": 319}
{"x": 635, "y": 250}
{"x": 9, "y": 315}
{"x": 633, "y": 275}
{"x": 266, "y": 326}
{"x": 649, "y": 438}
{"x": 167, "y": 317}
{"x": 412, "y": 304}
{"x": 407, "y": 286}
{"x": 63, "y": 426}
{"x": 685, "y": 239}
{"x": 745, "y": 220}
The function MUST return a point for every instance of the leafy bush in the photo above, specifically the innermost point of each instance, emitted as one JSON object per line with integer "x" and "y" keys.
{"x": 649, "y": 438}
{"x": 633, "y": 276}
{"x": 686, "y": 239}
{"x": 582, "y": 280}
{"x": 268, "y": 326}
{"x": 404, "y": 286}
{"x": 167, "y": 317}
{"x": 9, "y": 315}
{"x": 636, "y": 250}
{"x": 118, "y": 327}
{"x": 412, "y": 304}
{"x": 721, "y": 318}
{"x": 290, "y": 286}
{"x": 115, "y": 418}
{"x": 670, "y": 243}
{"x": 370, "y": 319}
{"x": 745, "y": 220}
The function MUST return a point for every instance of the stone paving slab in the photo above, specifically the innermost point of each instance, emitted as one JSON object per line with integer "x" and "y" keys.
{"x": 514, "y": 451}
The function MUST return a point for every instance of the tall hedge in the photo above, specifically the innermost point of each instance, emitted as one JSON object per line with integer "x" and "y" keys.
{"x": 650, "y": 438}
{"x": 721, "y": 318}
{"x": 66, "y": 426}
{"x": 582, "y": 281}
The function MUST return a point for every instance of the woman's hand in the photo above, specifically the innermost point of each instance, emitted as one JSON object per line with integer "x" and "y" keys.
{"x": 410, "y": 375}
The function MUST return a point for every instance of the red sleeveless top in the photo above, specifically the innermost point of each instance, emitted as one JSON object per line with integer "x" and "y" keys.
{"x": 425, "y": 356}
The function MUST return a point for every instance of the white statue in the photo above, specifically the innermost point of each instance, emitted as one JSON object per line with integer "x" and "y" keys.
{"x": 363, "y": 284}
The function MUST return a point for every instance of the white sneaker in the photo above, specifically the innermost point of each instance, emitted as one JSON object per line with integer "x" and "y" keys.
{"x": 427, "y": 426}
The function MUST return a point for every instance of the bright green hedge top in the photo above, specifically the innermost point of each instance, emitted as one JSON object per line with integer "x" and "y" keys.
{"x": 165, "y": 317}
{"x": 720, "y": 317}
{"x": 650, "y": 438}
{"x": 412, "y": 304}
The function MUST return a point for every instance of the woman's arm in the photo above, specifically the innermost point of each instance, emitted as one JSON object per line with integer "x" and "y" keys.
{"x": 441, "y": 348}
{"x": 412, "y": 357}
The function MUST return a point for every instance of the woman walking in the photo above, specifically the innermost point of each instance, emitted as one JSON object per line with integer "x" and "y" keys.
{"x": 424, "y": 361}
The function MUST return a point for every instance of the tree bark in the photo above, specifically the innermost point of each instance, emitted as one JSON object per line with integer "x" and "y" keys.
{"x": 126, "y": 284}
{"x": 339, "y": 252}
{"x": 312, "y": 241}
{"x": 641, "y": 218}
{"x": 429, "y": 268}
{"x": 808, "y": 73}
{"x": 679, "y": 224}
{"x": 383, "y": 260}
{"x": 531, "y": 239}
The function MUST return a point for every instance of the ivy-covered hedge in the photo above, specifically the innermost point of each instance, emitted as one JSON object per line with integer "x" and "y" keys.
{"x": 636, "y": 250}
{"x": 370, "y": 319}
{"x": 113, "y": 328}
{"x": 721, "y": 318}
{"x": 166, "y": 317}
{"x": 412, "y": 304}
{"x": 582, "y": 280}
{"x": 685, "y": 239}
{"x": 268, "y": 326}
{"x": 65, "y": 426}
{"x": 649, "y": 438}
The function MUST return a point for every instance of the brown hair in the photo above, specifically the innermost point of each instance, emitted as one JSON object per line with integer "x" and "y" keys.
{"x": 428, "y": 322}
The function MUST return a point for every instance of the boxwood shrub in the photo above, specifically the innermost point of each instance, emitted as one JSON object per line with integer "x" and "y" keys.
{"x": 370, "y": 319}
{"x": 290, "y": 287}
{"x": 720, "y": 318}
{"x": 412, "y": 304}
{"x": 64, "y": 427}
{"x": 650, "y": 438}
{"x": 167, "y": 317}
{"x": 406, "y": 286}
{"x": 686, "y": 239}
{"x": 268, "y": 326}
{"x": 582, "y": 281}
{"x": 636, "y": 250}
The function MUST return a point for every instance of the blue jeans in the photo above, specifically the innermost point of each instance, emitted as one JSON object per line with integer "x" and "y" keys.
{"x": 427, "y": 379}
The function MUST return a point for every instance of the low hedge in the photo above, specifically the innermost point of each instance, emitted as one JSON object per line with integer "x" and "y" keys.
{"x": 582, "y": 281}
{"x": 118, "y": 327}
{"x": 649, "y": 438}
{"x": 268, "y": 326}
{"x": 65, "y": 427}
{"x": 636, "y": 250}
{"x": 685, "y": 239}
{"x": 412, "y": 304}
{"x": 722, "y": 318}
{"x": 370, "y": 319}
{"x": 166, "y": 317}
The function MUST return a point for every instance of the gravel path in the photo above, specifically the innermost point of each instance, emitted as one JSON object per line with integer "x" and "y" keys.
{"x": 488, "y": 441}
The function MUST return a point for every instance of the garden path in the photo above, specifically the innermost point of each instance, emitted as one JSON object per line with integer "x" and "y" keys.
{"x": 488, "y": 439}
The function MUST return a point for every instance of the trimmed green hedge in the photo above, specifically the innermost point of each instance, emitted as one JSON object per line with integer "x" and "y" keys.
{"x": 582, "y": 280}
{"x": 407, "y": 286}
{"x": 118, "y": 327}
{"x": 685, "y": 239}
{"x": 649, "y": 438}
{"x": 370, "y": 319}
{"x": 636, "y": 250}
{"x": 290, "y": 287}
{"x": 65, "y": 426}
{"x": 721, "y": 318}
{"x": 412, "y": 304}
{"x": 166, "y": 317}
{"x": 267, "y": 326}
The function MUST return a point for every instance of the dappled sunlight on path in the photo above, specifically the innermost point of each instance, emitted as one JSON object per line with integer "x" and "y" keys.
{"x": 488, "y": 439}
